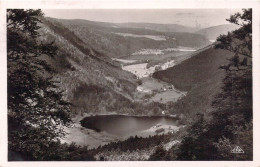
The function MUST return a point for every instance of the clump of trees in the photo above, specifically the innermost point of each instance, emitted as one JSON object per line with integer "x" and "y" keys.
{"x": 37, "y": 111}
{"x": 212, "y": 137}
{"x": 135, "y": 143}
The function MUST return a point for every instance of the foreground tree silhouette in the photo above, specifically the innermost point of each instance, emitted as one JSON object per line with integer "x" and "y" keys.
{"x": 230, "y": 123}
{"x": 233, "y": 107}
{"x": 239, "y": 41}
{"x": 37, "y": 111}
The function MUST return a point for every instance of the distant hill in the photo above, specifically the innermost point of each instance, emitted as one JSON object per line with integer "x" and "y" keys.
{"x": 160, "y": 27}
{"x": 212, "y": 33}
{"x": 199, "y": 76}
{"x": 146, "y": 26}
{"x": 116, "y": 40}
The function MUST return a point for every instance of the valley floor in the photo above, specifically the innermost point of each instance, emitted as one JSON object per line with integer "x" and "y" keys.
{"x": 150, "y": 90}
{"x": 154, "y": 90}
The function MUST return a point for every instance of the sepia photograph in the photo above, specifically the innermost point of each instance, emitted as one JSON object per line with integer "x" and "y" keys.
{"x": 171, "y": 84}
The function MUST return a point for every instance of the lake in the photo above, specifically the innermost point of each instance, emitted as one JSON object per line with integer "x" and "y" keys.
{"x": 123, "y": 125}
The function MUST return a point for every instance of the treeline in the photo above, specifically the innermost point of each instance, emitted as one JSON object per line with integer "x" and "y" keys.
{"x": 55, "y": 151}
{"x": 134, "y": 146}
{"x": 134, "y": 143}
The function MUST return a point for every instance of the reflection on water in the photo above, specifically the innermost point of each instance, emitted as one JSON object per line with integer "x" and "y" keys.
{"x": 122, "y": 125}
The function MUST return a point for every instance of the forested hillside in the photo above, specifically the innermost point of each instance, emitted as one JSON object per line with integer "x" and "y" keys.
{"x": 199, "y": 69}
{"x": 200, "y": 76}
{"x": 86, "y": 75}
{"x": 123, "y": 41}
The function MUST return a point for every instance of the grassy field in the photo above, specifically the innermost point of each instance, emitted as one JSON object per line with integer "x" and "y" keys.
{"x": 167, "y": 96}
{"x": 152, "y": 59}
{"x": 154, "y": 56}
{"x": 158, "y": 91}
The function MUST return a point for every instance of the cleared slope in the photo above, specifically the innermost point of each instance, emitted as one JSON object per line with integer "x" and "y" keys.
{"x": 200, "y": 76}
{"x": 212, "y": 33}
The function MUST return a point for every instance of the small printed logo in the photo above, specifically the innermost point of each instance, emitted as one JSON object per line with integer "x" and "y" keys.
{"x": 237, "y": 150}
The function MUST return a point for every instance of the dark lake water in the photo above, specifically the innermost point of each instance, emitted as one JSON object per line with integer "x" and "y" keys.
{"x": 124, "y": 125}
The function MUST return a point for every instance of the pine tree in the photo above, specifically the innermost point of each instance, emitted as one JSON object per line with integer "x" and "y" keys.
{"x": 37, "y": 111}
{"x": 233, "y": 106}
{"x": 230, "y": 123}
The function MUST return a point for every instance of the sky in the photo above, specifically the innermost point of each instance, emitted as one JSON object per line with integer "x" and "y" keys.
{"x": 189, "y": 17}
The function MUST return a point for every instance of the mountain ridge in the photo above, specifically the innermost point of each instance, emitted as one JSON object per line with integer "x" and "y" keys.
{"x": 160, "y": 27}
{"x": 213, "y": 32}
{"x": 123, "y": 41}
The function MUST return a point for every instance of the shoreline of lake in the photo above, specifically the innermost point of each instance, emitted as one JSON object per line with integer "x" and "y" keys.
{"x": 83, "y": 136}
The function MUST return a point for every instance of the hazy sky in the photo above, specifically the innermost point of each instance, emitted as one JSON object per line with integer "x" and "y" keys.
{"x": 188, "y": 17}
